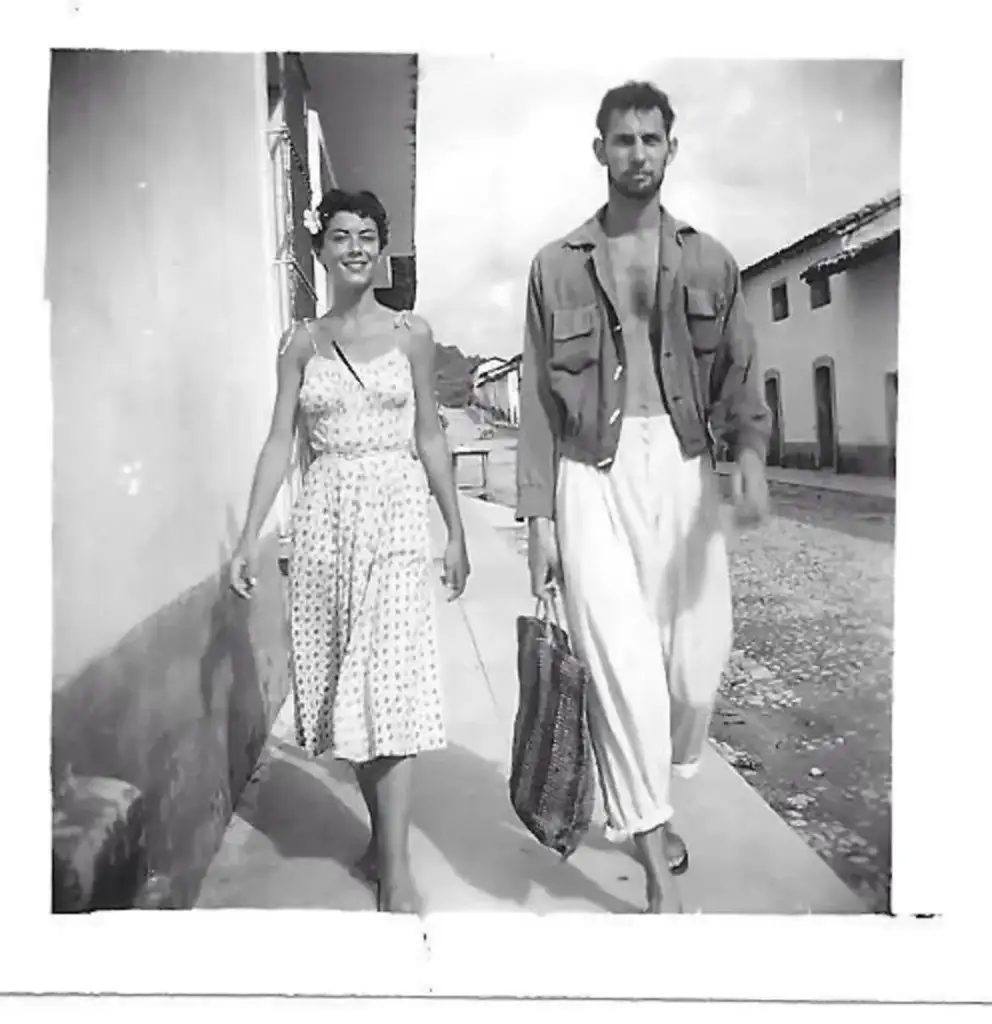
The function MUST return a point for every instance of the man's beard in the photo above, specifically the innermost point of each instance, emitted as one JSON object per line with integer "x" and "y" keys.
{"x": 637, "y": 192}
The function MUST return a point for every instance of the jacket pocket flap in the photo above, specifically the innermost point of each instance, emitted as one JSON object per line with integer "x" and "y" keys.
{"x": 572, "y": 323}
{"x": 700, "y": 302}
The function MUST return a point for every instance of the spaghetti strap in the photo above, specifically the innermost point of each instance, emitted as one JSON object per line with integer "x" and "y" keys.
{"x": 287, "y": 338}
{"x": 313, "y": 337}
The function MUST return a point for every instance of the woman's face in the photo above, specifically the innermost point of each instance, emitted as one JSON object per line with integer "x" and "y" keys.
{"x": 351, "y": 249}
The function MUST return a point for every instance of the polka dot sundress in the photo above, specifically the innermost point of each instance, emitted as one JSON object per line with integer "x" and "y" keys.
{"x": 362, "y": 618}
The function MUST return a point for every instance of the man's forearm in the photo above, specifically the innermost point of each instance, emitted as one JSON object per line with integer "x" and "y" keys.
{"x": 535, "y": 461}
{"x": 748, "y": 418}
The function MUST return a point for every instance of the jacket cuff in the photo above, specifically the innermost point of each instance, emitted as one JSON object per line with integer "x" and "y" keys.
{"x": 534, "y": 501}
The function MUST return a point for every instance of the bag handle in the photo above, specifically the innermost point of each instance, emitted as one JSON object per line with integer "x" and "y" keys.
{"x": 548, "y": 604}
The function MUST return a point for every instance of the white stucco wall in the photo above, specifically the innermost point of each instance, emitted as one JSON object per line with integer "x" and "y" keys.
{"x": 857, "y": 329}
{"x": 164, "y": 320}
{"x": 868, "y": 347}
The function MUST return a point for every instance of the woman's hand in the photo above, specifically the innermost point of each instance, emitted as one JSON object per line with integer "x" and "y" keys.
{"x": 456, "y": 567}
{"x": 241, "y": 574}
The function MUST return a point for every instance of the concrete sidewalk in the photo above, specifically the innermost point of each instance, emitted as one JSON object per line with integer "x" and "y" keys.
{"x": 300, "y": 824}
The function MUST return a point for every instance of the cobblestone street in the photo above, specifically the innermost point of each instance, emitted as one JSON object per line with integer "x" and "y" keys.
{"x": 804, "y": 709}
{"x": 805, "y": 704}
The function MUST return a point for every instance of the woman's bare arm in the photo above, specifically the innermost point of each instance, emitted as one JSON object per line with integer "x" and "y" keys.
{"x": 273, "y": 460}
{"x": 432, "y": 445}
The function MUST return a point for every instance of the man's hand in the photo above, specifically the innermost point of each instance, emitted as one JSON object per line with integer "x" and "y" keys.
{"x": 542, "y": 556}
{"x": 750, "y": 488}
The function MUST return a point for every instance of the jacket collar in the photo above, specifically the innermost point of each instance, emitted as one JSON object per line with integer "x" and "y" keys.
{"x": 591, "y": 238}
{"x": 591, "y": 233}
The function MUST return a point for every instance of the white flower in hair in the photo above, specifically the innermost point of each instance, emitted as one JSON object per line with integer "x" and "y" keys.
{"x": 311, "y": 221}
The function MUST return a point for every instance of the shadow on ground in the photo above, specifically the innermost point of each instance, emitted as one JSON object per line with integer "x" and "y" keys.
{"x": 301, "y": 816}
{"x": 461, "y": 803}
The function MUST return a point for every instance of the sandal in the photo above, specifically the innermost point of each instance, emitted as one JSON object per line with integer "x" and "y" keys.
{"x": 680, "y": 865}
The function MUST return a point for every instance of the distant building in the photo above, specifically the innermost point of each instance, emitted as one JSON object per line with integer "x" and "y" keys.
{"x": 485, "y": 367}
{"x": 825, "y": 311}
{"x": 496, "y": 388}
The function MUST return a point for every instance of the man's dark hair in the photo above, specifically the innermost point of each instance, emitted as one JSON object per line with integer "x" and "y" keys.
{"x": 634, "y": 96}
{"x": 362, "y": 204}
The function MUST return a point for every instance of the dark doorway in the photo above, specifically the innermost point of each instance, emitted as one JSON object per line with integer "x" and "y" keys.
{"x": 824, "y": 387}
{"x": 774, "y": 402}
{"x": 892, "y": 416}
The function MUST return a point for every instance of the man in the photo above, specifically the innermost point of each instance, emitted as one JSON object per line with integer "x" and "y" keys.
{"x": 637, "y": 357}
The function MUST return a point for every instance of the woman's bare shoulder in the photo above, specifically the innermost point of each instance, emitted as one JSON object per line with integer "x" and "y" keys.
{"x": 418, "y": 338}
{"x": 296, "y": 344}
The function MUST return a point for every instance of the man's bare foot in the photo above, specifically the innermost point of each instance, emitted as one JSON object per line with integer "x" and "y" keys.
{"x": 663, "y": 896}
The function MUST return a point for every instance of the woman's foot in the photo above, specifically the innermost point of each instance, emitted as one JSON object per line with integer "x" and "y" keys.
{"x": 399, "y": 896}
{"x": 367, "y": 866}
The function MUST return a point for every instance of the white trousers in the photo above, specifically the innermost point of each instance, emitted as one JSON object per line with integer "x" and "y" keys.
{"x": 647, "y": 603}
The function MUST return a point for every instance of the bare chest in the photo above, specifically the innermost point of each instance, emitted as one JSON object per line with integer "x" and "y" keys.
{"x": 635, "y": 277}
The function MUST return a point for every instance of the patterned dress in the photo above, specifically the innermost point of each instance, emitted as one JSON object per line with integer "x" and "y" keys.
{"x": 364, "y": 647}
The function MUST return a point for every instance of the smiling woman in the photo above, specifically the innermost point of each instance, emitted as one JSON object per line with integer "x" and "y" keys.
{"x": 370, "y": 226}
{"x": 359, "y": 383}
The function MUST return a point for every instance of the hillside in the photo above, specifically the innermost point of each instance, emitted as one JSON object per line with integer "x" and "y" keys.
{"x": 454, "y": 369}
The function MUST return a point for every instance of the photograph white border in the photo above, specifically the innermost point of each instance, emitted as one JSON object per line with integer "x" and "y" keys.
{"x": 941, "y": 804}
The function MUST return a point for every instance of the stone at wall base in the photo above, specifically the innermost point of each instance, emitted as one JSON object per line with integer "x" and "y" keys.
{"x": 97, "y": 845}
{"x": 157, "y": 894}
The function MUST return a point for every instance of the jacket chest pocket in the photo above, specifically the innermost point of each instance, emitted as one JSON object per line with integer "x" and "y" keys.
{"x": 574, "y": 339}
{"x": 704, "y": 315}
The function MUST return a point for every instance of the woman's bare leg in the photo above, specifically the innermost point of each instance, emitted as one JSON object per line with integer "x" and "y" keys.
{"x": 368, "y": 863}
{"x": 386, "y": 784}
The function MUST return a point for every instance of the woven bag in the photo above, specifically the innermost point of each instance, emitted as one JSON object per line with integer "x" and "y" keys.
{"x": 552, "y": 772}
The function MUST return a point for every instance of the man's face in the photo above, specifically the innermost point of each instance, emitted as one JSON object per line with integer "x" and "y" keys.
{"x": 635, "y": 152}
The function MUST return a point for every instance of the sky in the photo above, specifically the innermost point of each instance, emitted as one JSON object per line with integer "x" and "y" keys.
{"x": 769, "y": 150}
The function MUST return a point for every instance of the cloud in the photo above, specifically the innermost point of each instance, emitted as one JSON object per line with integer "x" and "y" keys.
{"x": 505, "y": 165}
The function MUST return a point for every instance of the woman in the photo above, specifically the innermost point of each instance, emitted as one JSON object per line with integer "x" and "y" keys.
{"x": 364, "y": 652}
